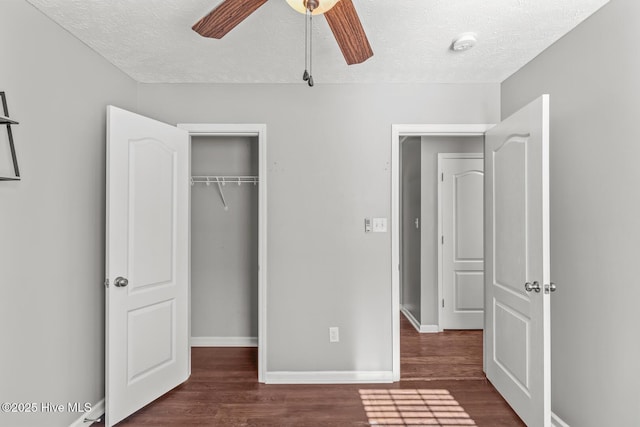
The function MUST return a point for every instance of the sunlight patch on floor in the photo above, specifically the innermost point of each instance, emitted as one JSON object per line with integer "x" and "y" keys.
{"x": 409, "y": 407}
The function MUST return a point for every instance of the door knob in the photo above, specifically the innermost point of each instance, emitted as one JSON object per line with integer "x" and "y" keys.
{"x": 121, "y": 282}
{"x": 551, "y": 287}
{"x": 535, "y": 286}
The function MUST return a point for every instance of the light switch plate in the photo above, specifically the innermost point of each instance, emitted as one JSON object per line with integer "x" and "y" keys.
{"x": 379, "y": 225}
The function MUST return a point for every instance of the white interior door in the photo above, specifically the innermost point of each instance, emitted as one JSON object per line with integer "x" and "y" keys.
{"x": 147, "y": 324}
{"x": 517, "y": 328}
{"x": 462, "y": 245}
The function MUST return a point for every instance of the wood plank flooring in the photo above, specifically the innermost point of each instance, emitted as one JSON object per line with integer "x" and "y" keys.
{"x": 447, "y": 355}
{"x": 442, "y": 385}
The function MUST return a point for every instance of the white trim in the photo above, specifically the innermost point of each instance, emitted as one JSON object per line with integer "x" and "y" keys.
{"x": 423, "y": 329}
{"x": 442, "y": 156}
{"x": 556, "y": 421}
{"x": 414, "y": 322}
{"x": 328, "y": 377}
{"x": 441, "y": 129}
{"x": 397, "y": 131}
{"x": 224, "y": 341}
{"x": 429, "y": 329}
{"x": 96, "y": 412}
{"x": 259, "y": 130}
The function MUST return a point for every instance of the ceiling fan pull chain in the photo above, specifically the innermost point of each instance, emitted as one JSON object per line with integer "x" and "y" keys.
{"x": 310, "y": 50}
{"x": 305, "y": 75}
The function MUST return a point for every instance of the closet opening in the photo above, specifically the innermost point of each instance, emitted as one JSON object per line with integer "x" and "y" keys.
{"x": 228, "y": 237}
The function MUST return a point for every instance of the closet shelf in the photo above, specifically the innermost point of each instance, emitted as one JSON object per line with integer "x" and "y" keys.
{"x": 221, "y": 180}
{"x": 225, "y": 179}
{"x": 4, "y": 120}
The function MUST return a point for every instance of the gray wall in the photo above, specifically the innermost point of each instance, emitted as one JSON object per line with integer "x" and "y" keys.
{"x": 593, "y": 77}
{"x": 431, "y": 146}
{"x": 329, "y": 155}
{"x": 52, "y": 222}
{"x": 409, "y": 211}
{"x": 224, "y": 243}
{"x": 329, "y": 167}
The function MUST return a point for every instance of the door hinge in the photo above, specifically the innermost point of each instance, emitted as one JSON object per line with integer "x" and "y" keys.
{"x": 106, "y": 283}
{"x": 442, "y": 177}
{"x": 442, "y": 240}
{"x": 442, "y": 302}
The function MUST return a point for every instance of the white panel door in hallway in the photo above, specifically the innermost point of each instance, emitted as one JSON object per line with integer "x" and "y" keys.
{"x": 517, "y": 328}
{"x": 147, "y": 323}
{"x": 460, "y": 195}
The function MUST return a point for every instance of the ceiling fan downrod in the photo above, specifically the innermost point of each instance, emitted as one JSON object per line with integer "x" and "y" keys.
{"x": 311, "y": 5}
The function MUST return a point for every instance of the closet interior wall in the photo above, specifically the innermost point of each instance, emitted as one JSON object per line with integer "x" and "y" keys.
{"x": 224, "y": 242}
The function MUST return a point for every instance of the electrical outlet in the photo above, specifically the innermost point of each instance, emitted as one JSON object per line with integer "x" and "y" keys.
{"x": 334, "y": 334}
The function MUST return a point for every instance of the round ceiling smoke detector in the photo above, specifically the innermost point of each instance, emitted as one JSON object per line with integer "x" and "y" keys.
{"x": 464, "y": 41}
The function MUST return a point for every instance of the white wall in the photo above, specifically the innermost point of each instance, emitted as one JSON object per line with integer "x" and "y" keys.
{"x": 431, "y": 146}
{"x": 224, "y": 243}
{"x": 329, "y": 154}
{"x": 52, "y": 222}
{"x": 410, "y": 235}
{"x": 593, "y": 77}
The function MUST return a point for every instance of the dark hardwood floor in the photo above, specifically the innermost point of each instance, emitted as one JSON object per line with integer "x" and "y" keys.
{"x": 442, "y": 385}
{"x": 447, "y": 355}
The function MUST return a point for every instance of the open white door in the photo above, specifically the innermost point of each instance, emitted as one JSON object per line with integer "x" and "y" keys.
{"x": 517, "y": 328}
{"x": 147, "y": 324}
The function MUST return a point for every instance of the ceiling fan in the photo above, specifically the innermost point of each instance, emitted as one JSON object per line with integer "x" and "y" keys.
{"x": 341, "y": 16}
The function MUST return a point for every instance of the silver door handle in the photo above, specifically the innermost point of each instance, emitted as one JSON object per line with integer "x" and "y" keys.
{"x": 121, "y": 282}
{"x": 535, "y": 286}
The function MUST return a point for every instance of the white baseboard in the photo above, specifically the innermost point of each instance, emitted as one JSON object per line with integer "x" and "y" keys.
{"x": 423, "y": 329}
{"x": 97, "y": 411}
{"x": 556, "y": 421}
{"x": 224, "y": 341}
{"x": 328, "y": 377}
{"x": 429, "y": 329}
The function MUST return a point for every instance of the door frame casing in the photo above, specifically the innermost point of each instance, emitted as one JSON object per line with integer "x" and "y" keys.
{"x": 398, "y": 131}
{"x": 259, "y": 131}
{"x": 443, "y": 156}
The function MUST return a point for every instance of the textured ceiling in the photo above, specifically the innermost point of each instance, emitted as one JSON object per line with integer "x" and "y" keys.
{"x": 152, "y": 40}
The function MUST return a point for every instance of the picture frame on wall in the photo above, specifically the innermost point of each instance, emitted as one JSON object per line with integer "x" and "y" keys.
{"x": 9, "y": 170}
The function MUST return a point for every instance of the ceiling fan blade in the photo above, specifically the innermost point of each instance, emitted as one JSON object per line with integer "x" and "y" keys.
{"x": 225, "y": 17}
{"x": 347, "y": 29}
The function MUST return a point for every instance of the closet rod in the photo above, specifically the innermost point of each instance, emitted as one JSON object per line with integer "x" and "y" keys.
{"x": 222, "y": 180}
{"x": 219, "y": 179}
